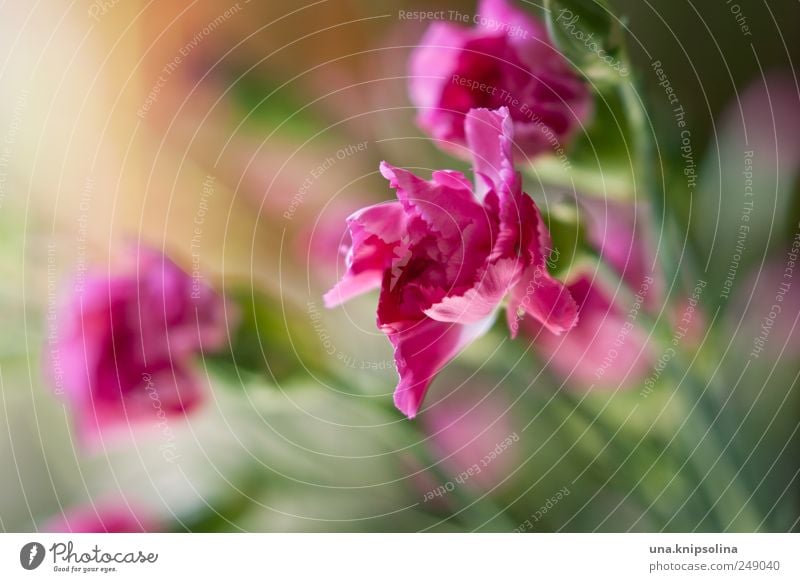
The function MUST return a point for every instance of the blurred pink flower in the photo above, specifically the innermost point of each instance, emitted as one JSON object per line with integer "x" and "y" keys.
{"x": 473, "y": 433}
{"x": 608, "y": 348}
{"x": 445, "y": 256}
{"x": 505, "y": 60}
{"x": 125, "y": 343}
{"x": 615, "y": 229}
{"x": 768, "y": 304}
{"x": 101, "y": 518}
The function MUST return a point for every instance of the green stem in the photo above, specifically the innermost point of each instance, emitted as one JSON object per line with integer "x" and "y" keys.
{"x": 714, "y": 454}
{"x": 647, "y": 171}
{"x": 475, "y": 513}
{"x": 569, "y": 404}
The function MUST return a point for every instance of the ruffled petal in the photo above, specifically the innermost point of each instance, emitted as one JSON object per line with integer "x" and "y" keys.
{"x": 445, "y": 203}
{"x": 556, "y": 95}
{"x": 376, "y": 233}
{"x": 421, "y": 349}
{"x": 489, "y": 137}
{"x": 544, "y": 298}
{"x": 432, "y": 65}
{"x": 481, "y": 300}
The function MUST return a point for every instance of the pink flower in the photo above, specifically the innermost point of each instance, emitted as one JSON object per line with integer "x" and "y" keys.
{"x": 101, "y": 518}
{"x": 474, "y": 433}
{"x": 768, "y": 302}
{"x": 444, "y": 257}
{"x": 125, "y": 344}
{"x": 505, "y": 60}
{"x": 616, "y": 231}
{"x": 608, "y": 348}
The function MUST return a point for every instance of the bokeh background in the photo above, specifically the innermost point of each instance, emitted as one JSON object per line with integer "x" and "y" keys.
{"x": 107, "y": 138}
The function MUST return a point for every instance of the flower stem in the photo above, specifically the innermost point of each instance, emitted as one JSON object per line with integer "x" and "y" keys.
{"x": 648, "y": 178}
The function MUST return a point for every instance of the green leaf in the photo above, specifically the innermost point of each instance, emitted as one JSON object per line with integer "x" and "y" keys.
{"x": 270, "y": 341}
{"x": 568, "y": 234}
{"x": 599, "y": 161}
{"x": 267, "y": 103}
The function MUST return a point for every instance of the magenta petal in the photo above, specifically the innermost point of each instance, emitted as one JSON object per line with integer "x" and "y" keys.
{"x": 544, "y": 298}
{"x": 178, "y": 390}
{"x": 375, "y": 232}
{"x": 452, "y": 179}
{"x": 489, "y": 138}
{"x": 505, "y": 59}
{"x": 444, "y": 203}
{"x": 532, "y": 45}
{"x": 126, "y": 344}
{"x": 601, "y": 351}
{"x": 421, "y": 349}
{"x": 454, "y": 256}
{"x": 104, "y": 517}
{"x": 431, "y": 69}
{"x": 352, "y": 286}
{"x": 481, "y": 300}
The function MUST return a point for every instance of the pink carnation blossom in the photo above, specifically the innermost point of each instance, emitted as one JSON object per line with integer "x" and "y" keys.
{"x": 126, "y": 343}
{"x": 101, "y": 518}
{"x": 505, "y": 60}
{"x": 445, "y": 255}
